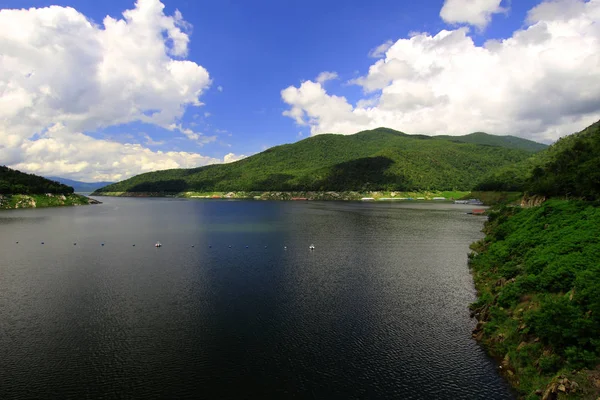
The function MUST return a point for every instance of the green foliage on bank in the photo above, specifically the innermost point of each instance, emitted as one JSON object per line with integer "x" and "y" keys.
{"x": 16, "y": 182}
{"x": 538, "y": 276}
{"x": 381, "y": 159}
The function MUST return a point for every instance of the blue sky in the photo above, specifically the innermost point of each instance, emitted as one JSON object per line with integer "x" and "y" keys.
{"x": 253, "y": 50}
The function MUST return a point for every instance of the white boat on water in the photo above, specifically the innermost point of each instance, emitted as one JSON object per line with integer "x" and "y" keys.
{"x": 367, "y": 199}
{"x": 158, "y": 244}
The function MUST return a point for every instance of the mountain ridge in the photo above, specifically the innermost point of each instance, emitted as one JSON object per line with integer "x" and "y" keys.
{"x": 379, "y": 159}
{"x": 79, "y": 186}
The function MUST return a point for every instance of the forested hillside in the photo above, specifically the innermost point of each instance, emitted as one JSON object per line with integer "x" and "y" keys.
{"x": 381, "y": 159}
{"x": 512, "y": 142}
{"x": 568, "y": 168}
{"x": 16, "y": 182}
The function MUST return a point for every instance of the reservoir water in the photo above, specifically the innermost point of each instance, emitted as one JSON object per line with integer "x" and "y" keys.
{"x": 235, "y": 305}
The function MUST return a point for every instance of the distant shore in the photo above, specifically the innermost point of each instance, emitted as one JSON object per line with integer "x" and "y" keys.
{"x": 17, "y": 201}
{"x": 300, "y": 196}
{"x": 488, "y": 198}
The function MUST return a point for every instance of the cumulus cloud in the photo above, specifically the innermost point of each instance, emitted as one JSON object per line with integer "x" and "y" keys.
{"x": 326, "y": 76}
{"x": 59, "y": 69}
{"x": 229, "y": 158}
{"x": 541, "y": 83}
{"x": 472, "y": 12}
{"x": 86, "y": 158}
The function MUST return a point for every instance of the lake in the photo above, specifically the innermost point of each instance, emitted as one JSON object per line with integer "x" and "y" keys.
{"x": 235, "y": 305}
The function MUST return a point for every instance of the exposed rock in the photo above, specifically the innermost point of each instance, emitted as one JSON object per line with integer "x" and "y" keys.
{"x": 533, "y": 201}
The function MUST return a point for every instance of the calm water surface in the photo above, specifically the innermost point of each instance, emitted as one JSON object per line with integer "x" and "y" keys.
{"x": 377, "y": 311}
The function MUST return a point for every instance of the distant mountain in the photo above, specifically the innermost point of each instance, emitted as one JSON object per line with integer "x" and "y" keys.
{"x": 511, "y": 142}
{"x": 17, "y": 182}
{"x": 379, "y": 159}
{"x": 80, "y": 186}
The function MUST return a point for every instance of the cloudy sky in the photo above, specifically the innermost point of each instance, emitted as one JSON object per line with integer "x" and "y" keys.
{"x": 103, "y": 90}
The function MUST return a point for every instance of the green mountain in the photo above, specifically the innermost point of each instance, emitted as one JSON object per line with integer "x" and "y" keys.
{"x": 16, "y": 182}
{"x": 380, "y": 159}
{"x": 568, "y": 168}
{"x": 78, "y": 185}
{"x": 511, "y": 142}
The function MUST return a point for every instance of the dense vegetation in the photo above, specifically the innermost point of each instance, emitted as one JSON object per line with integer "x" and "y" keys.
{"x": 568, "y": 168}
{"x": 16, "y": 182}
{"x": 538, "y": 273}
{"x": 538, "y": 276}
{"x": 512, "y": 142}
{"x": 382, "y": 159}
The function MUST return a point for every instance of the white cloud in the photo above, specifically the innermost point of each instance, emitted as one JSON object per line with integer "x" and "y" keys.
{"x": 85, "y": 158}
{"x": 197, "y": 137}
{"x": 207, "y": 114}
{"x": 473, "y": 12}
{"x": 380, "y": 50}
{"x": 59, "y": 69}
{"x": 326, "y": 76}
{"x": 555, "y": 10}
{"x": 220, "y": 88}
{"x": 540, "y": 83}
{"x": 151, "y": 142}
{"x": 229, "y": 158}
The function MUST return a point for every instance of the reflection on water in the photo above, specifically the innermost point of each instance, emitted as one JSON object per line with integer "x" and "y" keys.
{"x": 235, "y": 305}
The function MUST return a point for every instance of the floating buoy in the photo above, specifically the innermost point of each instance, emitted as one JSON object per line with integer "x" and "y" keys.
{"x": 193, "y": 246}
{"x": 229, "y": 246}
{"x": 246, "y": 246}
{"x": 312, "y": 247}
{"x": 285, "y": 247}
{"x": 133, "y": 245}
{"x": 74, "y": 244}
{"x": 102, "y": 244}
{"x": 209, "y": 246}
{"x": 265, "y": 247}
{"x": 42, "y": 242}
{"x": 17, "y": 242}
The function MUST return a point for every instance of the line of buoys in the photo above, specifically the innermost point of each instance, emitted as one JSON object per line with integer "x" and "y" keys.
{"x": 158, "y": 244}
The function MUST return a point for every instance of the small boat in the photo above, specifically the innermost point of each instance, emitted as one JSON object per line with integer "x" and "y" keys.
{"x": 312, "y": 247}
{"x": 158, "y": 244}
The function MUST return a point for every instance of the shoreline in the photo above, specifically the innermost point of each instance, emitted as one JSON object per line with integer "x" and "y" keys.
{"x": 27, "y": 201}
{"x": 301, "y": 195}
